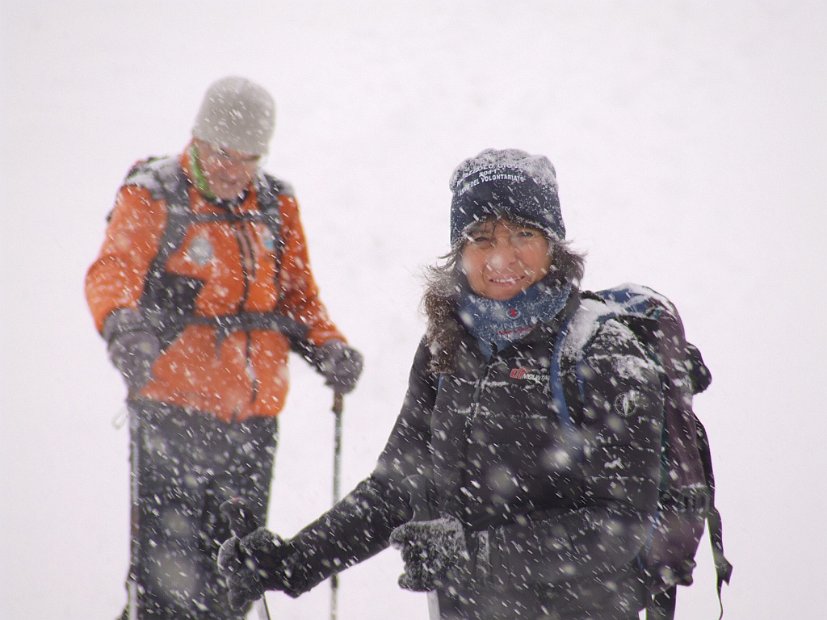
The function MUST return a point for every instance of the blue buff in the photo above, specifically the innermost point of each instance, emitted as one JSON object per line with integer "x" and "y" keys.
{"x": 496, "y": 324}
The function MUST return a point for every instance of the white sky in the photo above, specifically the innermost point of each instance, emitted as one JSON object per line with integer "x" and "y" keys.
{"x": 690, "y": 141}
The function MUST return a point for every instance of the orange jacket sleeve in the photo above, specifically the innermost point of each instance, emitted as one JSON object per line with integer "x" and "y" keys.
{"x": 116, "y": 278}
{"x": 300, "y": 294}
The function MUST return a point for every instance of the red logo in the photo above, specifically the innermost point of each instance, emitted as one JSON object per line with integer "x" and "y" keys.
{"x": 518, "y": 373}
{"x": 513, "y": 313}
{"x": 526, "y": 374}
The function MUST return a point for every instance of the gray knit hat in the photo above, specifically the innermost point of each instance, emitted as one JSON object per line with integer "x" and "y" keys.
{"x": 236, "y": 114}
{"x": 509, "y": 184}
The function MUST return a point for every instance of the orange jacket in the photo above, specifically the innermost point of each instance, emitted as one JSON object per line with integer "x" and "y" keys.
{"x": 232, "y": 374}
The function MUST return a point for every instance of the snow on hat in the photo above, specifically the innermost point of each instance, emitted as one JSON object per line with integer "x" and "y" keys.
{"x": 236, "y": 114}
{"x": 509, "y": 184}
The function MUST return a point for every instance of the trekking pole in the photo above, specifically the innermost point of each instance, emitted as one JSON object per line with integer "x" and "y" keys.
{"x": 243, "y": 522}
{"x": 338, "y": 406}
{"x": 417, "y": 486}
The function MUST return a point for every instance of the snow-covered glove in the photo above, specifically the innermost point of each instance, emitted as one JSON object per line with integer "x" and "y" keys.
{"x": 340, "y": 365}
{"x": 132, "y": 346}
{"x": 132, "y": 354}
{"x": 252, "y": 564}
{"x": 432, "y": 550}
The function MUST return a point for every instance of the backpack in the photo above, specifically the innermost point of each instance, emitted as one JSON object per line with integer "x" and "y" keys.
{"x": 687, "y": 486}
{"x": 168, "y": 300}
{"x": 165, "y": 180}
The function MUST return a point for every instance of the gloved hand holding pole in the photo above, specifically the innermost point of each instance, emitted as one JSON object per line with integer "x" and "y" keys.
{"x": 243, "y": 524}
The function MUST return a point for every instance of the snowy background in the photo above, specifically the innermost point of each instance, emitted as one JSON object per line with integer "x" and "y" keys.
{"x": 690, "y": 140}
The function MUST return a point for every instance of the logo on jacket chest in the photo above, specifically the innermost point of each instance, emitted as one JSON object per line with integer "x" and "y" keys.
{"x": 200, "y": 250}
{"x": 528, "y": 375}
{"x": 627, "y": 403}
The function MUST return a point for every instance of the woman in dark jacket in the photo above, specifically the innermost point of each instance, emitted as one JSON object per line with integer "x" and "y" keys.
{"x": 520, "y": 478}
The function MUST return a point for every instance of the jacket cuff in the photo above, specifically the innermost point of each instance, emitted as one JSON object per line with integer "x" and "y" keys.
{"x": 122, "y": 321}
{"x": 316, "y": 355}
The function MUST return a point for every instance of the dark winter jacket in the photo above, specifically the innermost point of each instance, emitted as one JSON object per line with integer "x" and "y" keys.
{"x": 557, "y": 512}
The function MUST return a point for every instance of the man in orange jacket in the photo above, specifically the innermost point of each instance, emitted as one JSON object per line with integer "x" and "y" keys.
{"x": 201, "y": 289}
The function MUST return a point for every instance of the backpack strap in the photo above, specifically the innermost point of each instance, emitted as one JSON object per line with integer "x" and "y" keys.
{"x": 166, "y": 181}
{"x": 662, "y": 606}
{"x": 558, "y": 394}
{"x": 268, "y": 190}
{"x": 723, "y": 567}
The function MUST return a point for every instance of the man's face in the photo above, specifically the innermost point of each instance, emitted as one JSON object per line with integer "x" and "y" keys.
{"x": 227, "y": 172}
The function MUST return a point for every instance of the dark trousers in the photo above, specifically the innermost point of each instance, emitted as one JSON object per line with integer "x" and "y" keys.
{"x": 183, "y": 466}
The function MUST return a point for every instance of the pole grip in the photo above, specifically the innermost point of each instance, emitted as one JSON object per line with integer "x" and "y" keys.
{"x": 417, "y": 487}
{"x": 338, "y": 403}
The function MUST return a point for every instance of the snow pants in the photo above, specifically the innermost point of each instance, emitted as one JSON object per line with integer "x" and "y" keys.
{"x": 184, "y": 465}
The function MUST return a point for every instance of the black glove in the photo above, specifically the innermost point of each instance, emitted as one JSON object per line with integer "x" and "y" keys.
{"x": 340, "y": 365}
{"x": 432, "y": 550}
{"x": 257, "y": 562}
{"x": 132, "y": 347}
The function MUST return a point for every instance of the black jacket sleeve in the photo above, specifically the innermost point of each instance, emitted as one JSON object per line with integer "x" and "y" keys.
{"x": 621, "y": 423}
{"x": 359, "y": 526}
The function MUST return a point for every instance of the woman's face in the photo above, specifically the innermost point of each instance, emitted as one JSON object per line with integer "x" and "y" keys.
{"x": 501, "y": 259}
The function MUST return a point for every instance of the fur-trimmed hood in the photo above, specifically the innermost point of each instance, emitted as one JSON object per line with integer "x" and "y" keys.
{"x": 445, "y": 329}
